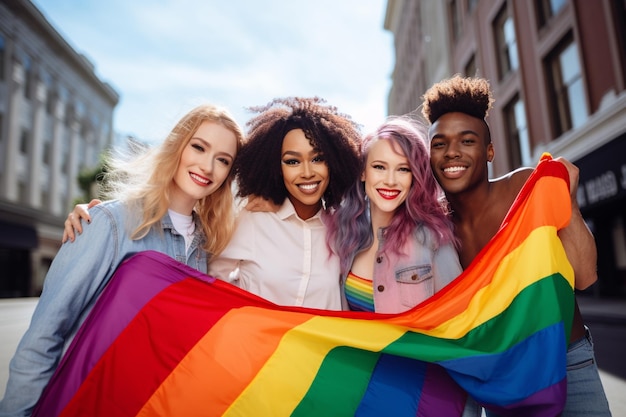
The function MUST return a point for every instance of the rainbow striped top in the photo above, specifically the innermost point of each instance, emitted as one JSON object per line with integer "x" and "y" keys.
{"x": 359, "y": 293}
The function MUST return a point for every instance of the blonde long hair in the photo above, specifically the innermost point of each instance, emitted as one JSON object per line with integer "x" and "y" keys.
{"x": 143, "y": 181}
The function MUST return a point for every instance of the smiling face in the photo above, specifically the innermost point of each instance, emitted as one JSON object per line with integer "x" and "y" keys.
{"x": 387, "y": 178}
{"x": 204, "y": 165}
{"x": 305, "y": 173}
{"x": 459, "y": 151}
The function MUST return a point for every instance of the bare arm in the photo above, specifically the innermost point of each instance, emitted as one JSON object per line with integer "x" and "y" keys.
{"x": 577, "y": 239}
{"x": 73, "y": 223}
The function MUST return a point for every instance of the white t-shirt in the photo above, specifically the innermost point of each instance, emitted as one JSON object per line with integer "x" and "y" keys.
{"x": 183, "y": 225}
{"x": 281, "y": 258}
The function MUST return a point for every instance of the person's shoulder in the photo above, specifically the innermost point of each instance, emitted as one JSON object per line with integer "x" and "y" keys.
{"x": 248, "y": 226}
{"x": 513, "y": 181}
{"x": 111, "y": 211}
{"x": 247, "y": 221}
{"x": 519, "y": 174}
{"x": 109, "y": 206}
{"x": 519, "y": 177}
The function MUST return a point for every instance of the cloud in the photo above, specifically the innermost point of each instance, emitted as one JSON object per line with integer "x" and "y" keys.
{"x": 167, "y": 56}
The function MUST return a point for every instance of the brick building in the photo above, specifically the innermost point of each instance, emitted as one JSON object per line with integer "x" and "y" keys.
{"x": 558, "y": 72}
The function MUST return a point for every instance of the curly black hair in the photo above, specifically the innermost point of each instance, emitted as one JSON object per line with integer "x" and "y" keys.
{"x": 469, "y": 95}
{"x": 332, "y": 133}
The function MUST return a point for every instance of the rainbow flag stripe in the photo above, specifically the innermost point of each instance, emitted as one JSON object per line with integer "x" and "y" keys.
{"x": 165, "y": 340}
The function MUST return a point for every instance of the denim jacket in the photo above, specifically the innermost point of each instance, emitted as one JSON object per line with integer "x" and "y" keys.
{"x": 76, "y": 278}
{"x": 403, "y": 281}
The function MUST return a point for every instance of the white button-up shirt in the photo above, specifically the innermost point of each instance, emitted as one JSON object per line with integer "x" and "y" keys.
{"x": 281, "y": 258}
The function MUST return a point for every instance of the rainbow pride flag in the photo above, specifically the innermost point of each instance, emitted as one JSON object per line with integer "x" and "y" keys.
{"x": 165, "y": 340}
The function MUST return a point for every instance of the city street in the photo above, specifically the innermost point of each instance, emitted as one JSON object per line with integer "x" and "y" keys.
{"x": 609, "y": 338}
{"x": 610, "y": 343}
{"x": 607, "y": 321}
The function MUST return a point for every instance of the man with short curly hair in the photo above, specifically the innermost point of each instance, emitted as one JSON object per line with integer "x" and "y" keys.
{"x": 460, "y": 150}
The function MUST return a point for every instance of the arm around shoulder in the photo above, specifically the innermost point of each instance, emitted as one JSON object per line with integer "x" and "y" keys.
{"x": 73, "y": 224}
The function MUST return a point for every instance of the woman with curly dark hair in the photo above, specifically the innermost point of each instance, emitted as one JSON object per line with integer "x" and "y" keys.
{"x": 302, "y": 155}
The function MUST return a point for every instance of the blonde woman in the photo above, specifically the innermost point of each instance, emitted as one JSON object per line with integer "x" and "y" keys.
{"x": 175, "y": 198}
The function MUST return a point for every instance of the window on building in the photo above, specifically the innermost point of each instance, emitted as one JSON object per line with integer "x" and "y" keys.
{"x": 28, "y": 77}
{"x": 70, "y": 114}
{"x": 506, "y": 43}
{"x": 22, "y": 191}
{"x": 51, "y": 99}
{"x": 24, "y": 141}
{"x": 47, "y": 151}
{"x": 80, "y": 151}
{"x": 546, "y": 9}
{"x": 517, "y": 133}
{"x": 50, "y": 93}
{"x": 80, "y": 109}
{"x": 567, "y": 90}
{"x": 471, "y": 5}
{"x": 455, "y": 19}
{"x": 62, "y": 93}
{"x": 470, "y": 67}
{"x": 3, "y": 51}
{"x": 45, "y": 197}
{"x": 65, "y": 153}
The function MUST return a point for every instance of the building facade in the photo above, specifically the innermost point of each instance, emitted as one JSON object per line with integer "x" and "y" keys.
{"x": 56, "y": 117}
{"x": 558, "y": 73}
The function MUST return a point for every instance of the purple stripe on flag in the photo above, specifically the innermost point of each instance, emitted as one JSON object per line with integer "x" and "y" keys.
{"x": 441, "y": 396}
{"x": 124, "y": 296}
{"x": 547, "y": 402}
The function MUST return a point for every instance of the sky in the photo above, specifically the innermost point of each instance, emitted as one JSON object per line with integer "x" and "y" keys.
{"x": 164, "y": 57}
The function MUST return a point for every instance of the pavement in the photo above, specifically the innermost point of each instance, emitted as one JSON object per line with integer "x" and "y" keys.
{"x": 609, "y": 311}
